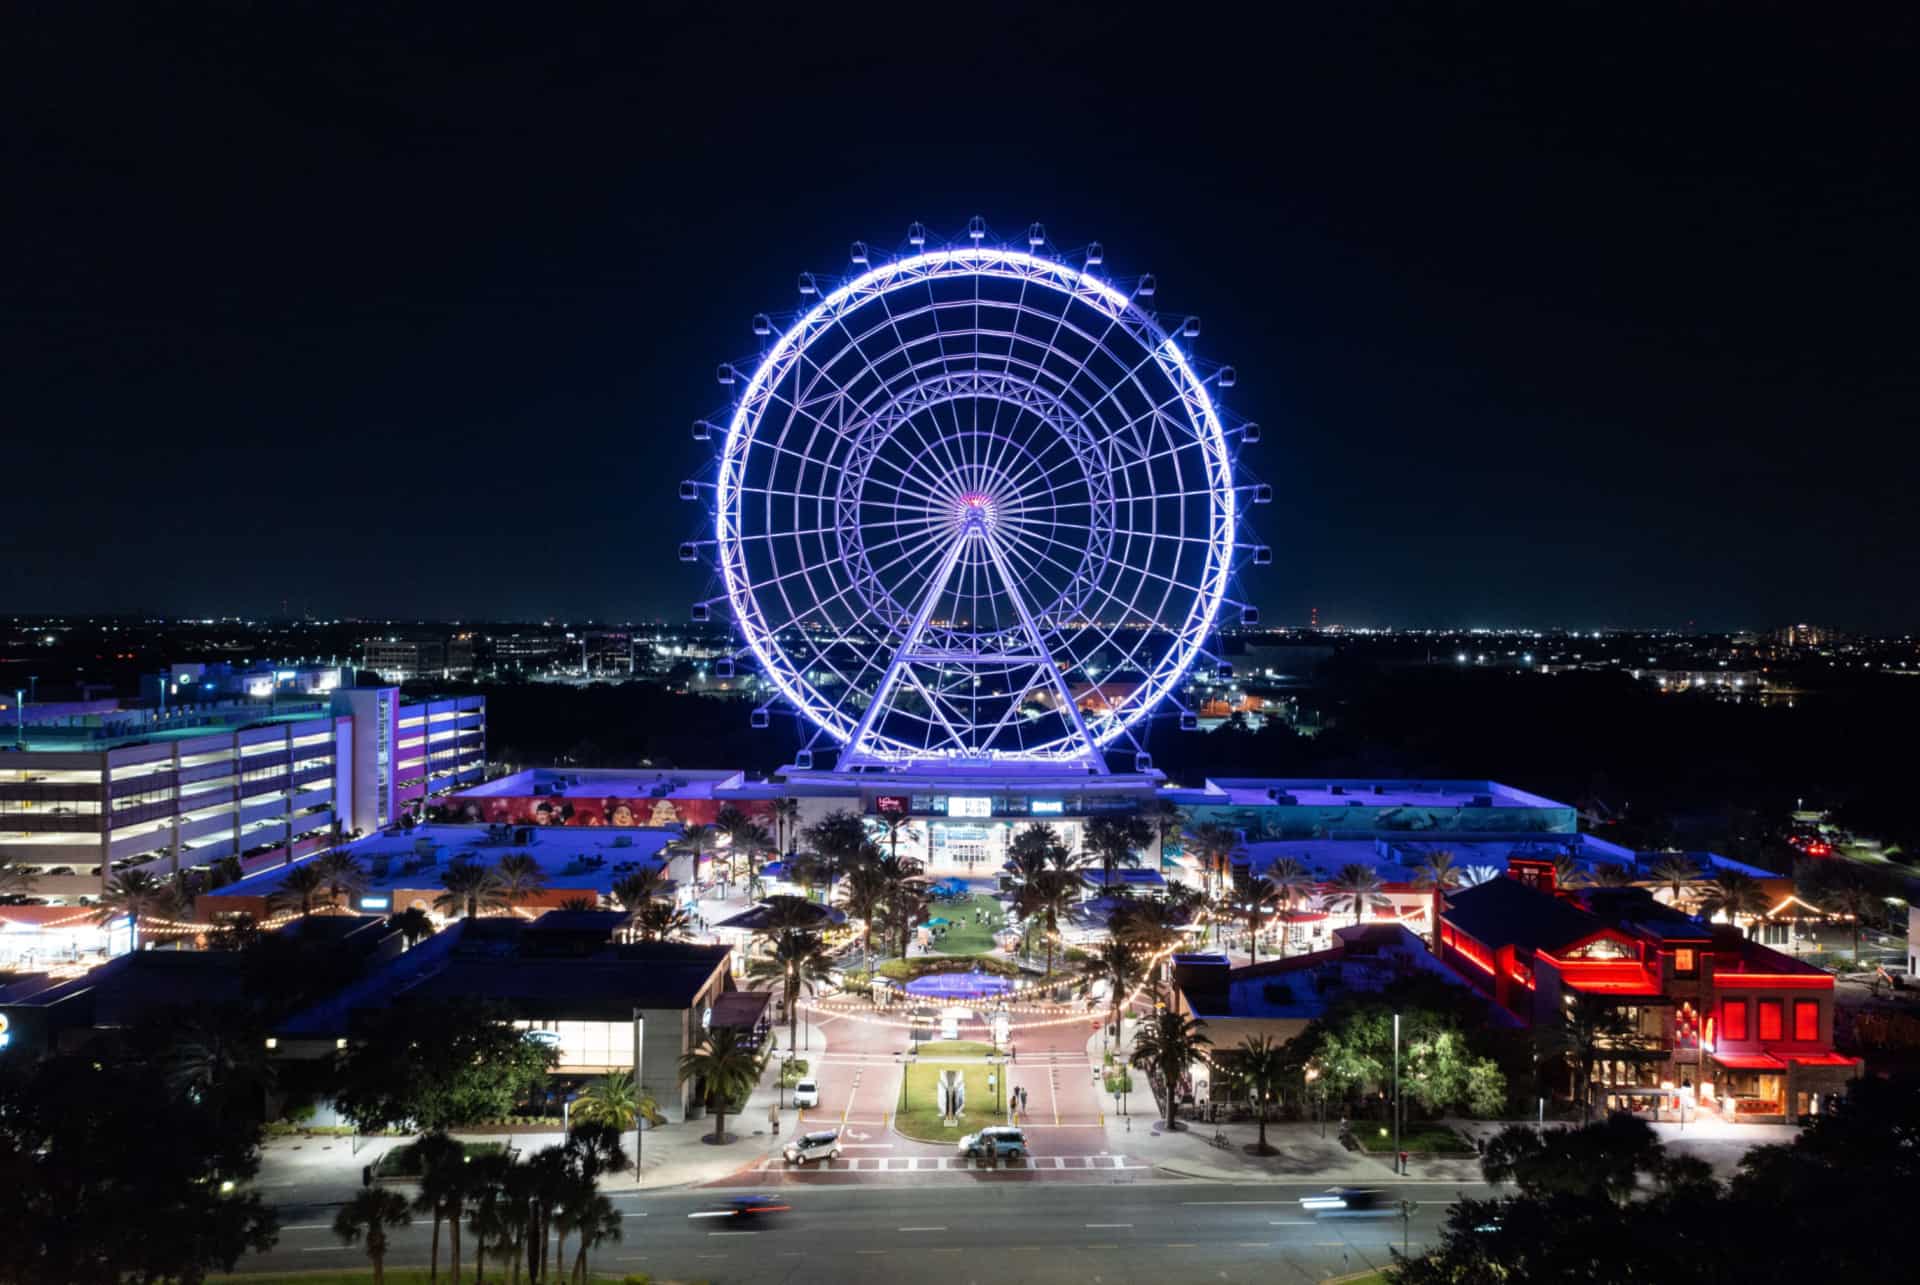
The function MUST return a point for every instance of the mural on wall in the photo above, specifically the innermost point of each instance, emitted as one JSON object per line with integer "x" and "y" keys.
{"x": 617, "y": 811}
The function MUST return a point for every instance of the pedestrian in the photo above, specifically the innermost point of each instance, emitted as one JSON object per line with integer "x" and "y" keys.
{"x": 773, "y": 1116}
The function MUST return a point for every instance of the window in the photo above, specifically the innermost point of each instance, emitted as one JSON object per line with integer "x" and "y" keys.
{"x": 1772, "y": 1014}
{"x": 1806, "y": 1020}
{"x": 1733, "y": 1019}
{"x": 1683, "y": 959}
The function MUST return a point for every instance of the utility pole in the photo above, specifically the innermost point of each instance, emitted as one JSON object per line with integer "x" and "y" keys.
{"x": 639, "y": 1115}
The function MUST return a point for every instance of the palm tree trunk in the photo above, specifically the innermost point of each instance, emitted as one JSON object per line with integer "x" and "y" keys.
{"x": 1049, "y": 976}
{"x": 1263, "y": 1127}
{"x": 453, "y": 1243}
{"x": 433, "y": 1257}
{"x": 479, "y": 1259}
{"x": 560, "y": 1247}
{"x": 720, "y": 1123}
{"x": 380, "y": 1270}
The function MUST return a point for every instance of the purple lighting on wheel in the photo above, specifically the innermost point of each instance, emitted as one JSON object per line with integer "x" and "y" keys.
{"x": 959, "y": 986}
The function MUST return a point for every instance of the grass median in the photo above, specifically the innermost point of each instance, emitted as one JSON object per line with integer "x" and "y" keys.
{"x": 918, "y": 1115}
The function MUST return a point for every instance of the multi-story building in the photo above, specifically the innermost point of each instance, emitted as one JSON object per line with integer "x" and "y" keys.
{"x": 408, "y": 750}
{"x": 83, "y": 800}
{"x": 402, "y": 660}
{"x": 86, "y": 797}
{"x": 1696, "y": 1016}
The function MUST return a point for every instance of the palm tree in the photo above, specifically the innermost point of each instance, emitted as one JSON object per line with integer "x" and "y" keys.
{"x": 786, "y": 820}
{"x": 1217, "y": 845}
{"x": 1437, "y": 871}
{"x": 1163, "y": 817}
{"x": 1119, "y": 966}
{"x": 694, "y": 840}
{"x": 660, "y": 921}
{"x": 1732, "y": 894}
{"x": 800, "y": 961}
{"x": 596, "y": 1222}
{"x": 1151, "y": 925}
{"x": 1856, "y": 903}
{"x": 1568, "y": 873}
{"x": 1115, "y": 841}
{"x": 17, "y": 880}
{"x": 724, "y": 1069}
{"x": 1045, "y": 897}
{"x": 549, "y": 1182}
{"x": 1678, "y": 871}
{"x": 413, "y": 923}
{"x": 594, "y": 1147}
{"x": 1262, "y": 1063}
{"x": 342, "y": 874}
{"x": 637, "y": 889}
{"x": 496, "y": 1208}
{"x": 1357, "y": 887}
{"x": 750, "y": 840}
{"x": 138, "y": 895}
{"x": 1294, "y": 884}
{"x": 300, "y": 888}
{"x": 443, "y": 1193}
{"x": 1474, "y": 876}
{"x": 369, "y": 1213}
{"x": 218, "y": 1057}
{"x": 517, "y": 876}
{"x": 1613, "y": 875}
{"x": 1035, "y": 849}
{"x": 1588, "y": 1024}
{"x": 864, "y": 896}
{"x": 906, "y": 897}
{"x": 468, "y": 887}
{"x": 1253, "y": 898}
{"x": 1167, "y": 1045}
{"x": 615, "y": 1100}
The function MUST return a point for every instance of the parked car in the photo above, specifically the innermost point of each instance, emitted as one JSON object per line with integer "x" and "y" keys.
{"x": 807, "y": 1093}
{"x": 823, "y": 1144}
{"x": 999, "y": 1142}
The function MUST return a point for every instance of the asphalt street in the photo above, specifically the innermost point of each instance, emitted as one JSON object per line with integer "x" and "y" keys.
{"x": 992, "y": 1232}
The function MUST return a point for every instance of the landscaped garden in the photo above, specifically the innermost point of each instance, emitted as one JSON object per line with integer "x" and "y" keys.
{"x": 1415, "y": 1137}
{"x": 905, "y": 970}
{"x": 959, "y": 932}
{"x": 919, "y": 1109}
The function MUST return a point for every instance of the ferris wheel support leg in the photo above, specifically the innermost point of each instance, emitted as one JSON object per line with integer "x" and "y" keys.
{"x": 856, "y": 744}
{"x": 1095, "y": 759}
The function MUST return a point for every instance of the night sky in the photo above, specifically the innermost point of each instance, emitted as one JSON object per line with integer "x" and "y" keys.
{"x": 1589, "y": 316}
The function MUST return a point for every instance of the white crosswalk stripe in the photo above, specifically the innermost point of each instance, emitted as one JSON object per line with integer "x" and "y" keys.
{"x": 930, "y": 1164}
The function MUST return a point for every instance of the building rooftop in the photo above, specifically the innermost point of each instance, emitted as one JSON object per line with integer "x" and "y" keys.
{"x": 1506, "y": 912}
{"x": 1373, "y": 792}
{"x": 504, "y": 960}
{"x": 591, "y": 860}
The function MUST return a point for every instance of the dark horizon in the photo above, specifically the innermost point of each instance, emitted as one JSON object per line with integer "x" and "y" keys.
{"x": 1553, "y": 320}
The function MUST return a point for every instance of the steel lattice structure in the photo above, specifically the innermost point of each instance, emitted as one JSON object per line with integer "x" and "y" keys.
{"x": 963, "y": 488}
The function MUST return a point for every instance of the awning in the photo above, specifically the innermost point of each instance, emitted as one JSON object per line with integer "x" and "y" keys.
{"x": 1749, "y": 1062}
{"x": 1822, "y": 1059}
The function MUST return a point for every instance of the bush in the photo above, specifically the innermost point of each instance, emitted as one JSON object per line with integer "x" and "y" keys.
{"x": 1120, "y": 1083}
{"x": 906, "y": 970}
{"x": 791, "y": 1073}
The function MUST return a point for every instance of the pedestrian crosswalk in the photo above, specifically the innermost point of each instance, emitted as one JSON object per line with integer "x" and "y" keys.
{"x": 956, "y": 1164}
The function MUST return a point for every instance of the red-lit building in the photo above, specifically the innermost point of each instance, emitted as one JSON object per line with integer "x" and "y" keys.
{"x": 1711, "y": 1020}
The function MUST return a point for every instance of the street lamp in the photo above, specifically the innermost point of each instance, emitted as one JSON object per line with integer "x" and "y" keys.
{"x": 1397, "y": 1166}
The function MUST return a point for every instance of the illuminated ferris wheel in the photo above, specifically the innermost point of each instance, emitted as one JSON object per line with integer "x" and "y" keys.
{"x": 975, "y": 504}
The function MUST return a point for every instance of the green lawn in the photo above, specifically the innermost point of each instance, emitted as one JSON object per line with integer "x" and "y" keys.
{"x": 919, "y": 1117}
{"x": 963, "y": 935}
{"x": 954, "y": 1048}
{"x": 1414, "y": 1138}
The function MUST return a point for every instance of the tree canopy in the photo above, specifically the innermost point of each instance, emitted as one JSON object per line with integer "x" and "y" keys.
{"x": 437, "y": 1066}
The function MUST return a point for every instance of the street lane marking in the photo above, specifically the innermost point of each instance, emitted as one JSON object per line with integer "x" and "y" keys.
{"x": 923, "y": 1229}
{"x": 732, "y": 1233}
{"x": 1238, "y": 1202}
{"x": 1299, "y": 1222}
{"x": 869, "y": 1251}
{"x": 1109, "y": 1224}
{"x": 309, "y": 1227}
{"x": 324, "y": 1249}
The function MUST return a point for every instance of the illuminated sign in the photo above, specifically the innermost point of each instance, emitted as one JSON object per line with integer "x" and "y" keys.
{"x": 892, "y": 805}
{"x": 1048, "y": 807}
{"x": 375, "y": 903}
{"x": 6, "y": 1035}
{"x": 969, "y": 805}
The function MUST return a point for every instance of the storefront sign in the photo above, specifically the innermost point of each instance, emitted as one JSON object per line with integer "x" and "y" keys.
{"x": 969, "y": 805}
{"x": 1048, "y": 807}
{"x": 892, "y": 805}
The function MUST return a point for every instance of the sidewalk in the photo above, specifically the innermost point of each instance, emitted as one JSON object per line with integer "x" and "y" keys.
{"x": 326, "y": 1170}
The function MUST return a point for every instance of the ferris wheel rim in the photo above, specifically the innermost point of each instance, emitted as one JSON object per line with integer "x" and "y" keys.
{"x": 1200, "y": 415}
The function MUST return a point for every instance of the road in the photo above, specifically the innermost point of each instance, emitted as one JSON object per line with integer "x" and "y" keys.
{"x": 989, "y": 1232}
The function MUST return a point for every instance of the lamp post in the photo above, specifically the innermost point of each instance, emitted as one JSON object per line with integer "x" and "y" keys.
{"x": 1396, "y": 1094}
